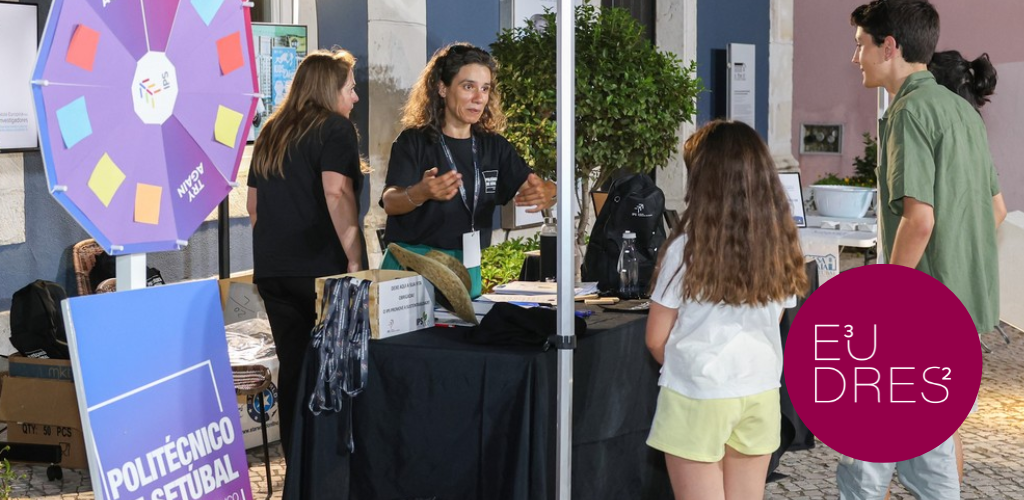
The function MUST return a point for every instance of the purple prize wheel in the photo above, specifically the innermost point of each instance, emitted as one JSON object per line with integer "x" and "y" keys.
{"x": 144, "y": 107}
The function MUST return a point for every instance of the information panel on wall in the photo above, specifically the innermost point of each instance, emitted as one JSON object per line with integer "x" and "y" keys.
{"x": 741, "y": 92}
{"x": 531, "y": 10}
{"x": 19, "y": 34}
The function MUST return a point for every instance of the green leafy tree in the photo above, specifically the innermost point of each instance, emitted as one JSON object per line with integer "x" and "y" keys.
{"x": 631, "y": 98}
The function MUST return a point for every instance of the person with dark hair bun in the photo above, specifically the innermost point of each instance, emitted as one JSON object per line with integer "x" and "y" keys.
{"x": 973, "y": 80}
{"x": 451, "y": 166}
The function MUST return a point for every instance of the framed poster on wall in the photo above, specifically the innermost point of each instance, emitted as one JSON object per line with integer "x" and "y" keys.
{"x": 279, "y": 48}
{"x": 741, "y": 103}
{"x": 19, "y": 37}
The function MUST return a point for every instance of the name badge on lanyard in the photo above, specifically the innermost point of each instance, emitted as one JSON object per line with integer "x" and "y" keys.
{"x": 470, "y": 240}
{"x": 471, "y": 249}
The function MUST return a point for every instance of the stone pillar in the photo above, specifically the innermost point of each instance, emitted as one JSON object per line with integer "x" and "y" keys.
{"x": 12, "y": 198}
{"x": 397, "y": 48}
{"x": 307, "y": 17}
{"x": 780, "y": 86}
{"x": 676, "y": 29}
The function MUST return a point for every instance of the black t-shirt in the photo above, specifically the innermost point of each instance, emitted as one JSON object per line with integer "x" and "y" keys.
{"x": 442, "y": 224}
{"x": 294, "y": 235}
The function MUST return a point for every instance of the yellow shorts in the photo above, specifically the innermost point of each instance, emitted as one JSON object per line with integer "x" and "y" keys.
{"x": 699, "y": 429}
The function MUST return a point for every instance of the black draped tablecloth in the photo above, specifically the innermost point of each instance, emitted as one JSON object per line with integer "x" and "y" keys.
{"x": 444, "y": 418}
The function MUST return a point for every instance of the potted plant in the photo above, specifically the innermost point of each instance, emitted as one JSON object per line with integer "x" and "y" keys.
{"x": 502, "y": 263}
{"x": 836, "y": 196}
{"x": 630, "y": 97}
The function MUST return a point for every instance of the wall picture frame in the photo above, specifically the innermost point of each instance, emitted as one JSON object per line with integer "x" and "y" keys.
{"x": 824, "y": 139}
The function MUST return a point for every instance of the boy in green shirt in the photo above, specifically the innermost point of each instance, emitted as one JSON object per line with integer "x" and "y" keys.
{"x": 938, "y": 207}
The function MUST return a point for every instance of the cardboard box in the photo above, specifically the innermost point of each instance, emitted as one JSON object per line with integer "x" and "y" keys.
{"x": 53, "y": 369}
{"x": 249, "y": 411}
{"x": 44, "y": 411}
{"x": 400, "y": 301}
{"x": 239, "y": 298}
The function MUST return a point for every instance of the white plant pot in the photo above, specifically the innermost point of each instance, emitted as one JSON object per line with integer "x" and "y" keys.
{"x": 842, "y": 201}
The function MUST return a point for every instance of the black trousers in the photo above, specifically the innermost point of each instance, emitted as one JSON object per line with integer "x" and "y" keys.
{"x": 291, "y": 309}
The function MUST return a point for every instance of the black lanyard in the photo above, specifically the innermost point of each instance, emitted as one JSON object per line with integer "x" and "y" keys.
{"x": 476, "y": 180}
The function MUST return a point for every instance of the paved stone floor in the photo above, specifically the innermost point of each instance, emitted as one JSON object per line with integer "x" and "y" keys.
{"x": 993, "y": 443}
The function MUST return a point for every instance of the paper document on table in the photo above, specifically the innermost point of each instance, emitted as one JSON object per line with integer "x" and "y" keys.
{"x": 444, "y": 318}
{"x": 527, "y": 299}
{"x": 482, "y": 307}
{"x": 542, "y": 288}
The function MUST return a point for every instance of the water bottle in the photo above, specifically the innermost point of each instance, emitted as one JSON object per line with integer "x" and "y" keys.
{"x": 629, "y": 268}
{"x": 548, "y": 249}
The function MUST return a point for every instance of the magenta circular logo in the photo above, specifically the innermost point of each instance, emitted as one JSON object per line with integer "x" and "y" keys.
{"x": 883, "y": 363}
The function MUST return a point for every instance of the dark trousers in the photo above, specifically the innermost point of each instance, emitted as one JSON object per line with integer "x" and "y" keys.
{"x": 291, "y": 309}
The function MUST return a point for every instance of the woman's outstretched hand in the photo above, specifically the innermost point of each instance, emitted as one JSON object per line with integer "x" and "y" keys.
{"x": 536, "y": 192}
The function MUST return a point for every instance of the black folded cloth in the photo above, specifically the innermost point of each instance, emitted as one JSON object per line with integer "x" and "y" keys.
{"x": 512, "y": 325}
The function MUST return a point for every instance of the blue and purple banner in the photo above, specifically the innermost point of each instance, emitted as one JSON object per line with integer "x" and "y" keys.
{"x": 156, "y": 394}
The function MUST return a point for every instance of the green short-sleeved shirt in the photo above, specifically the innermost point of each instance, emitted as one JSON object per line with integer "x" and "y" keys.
{"x": 934, "y": 148}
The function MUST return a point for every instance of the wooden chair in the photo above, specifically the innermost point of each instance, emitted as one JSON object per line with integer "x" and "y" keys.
{"x": 84, "y": 254}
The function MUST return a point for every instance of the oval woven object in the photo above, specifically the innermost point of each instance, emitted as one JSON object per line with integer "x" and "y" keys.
{"x": 452, "y": 292}
{"x": 453, "y": 264}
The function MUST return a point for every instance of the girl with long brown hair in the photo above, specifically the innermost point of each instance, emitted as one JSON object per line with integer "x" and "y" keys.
{"x": 730, "y": 267}
{"x": 451, "y": 166}
{"x": 304, "y": 179}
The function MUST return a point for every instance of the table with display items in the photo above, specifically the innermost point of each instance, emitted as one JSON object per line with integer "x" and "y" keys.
{"x": 443, "y": 418}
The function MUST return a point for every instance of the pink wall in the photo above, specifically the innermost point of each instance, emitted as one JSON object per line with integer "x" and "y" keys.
{"x": 827, "y": 86}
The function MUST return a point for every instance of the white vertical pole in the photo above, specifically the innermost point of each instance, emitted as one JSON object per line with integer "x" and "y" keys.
{"x": 566, "y": 92}
{"x": 883, "y": 105}
{"x": 131, "y": 271}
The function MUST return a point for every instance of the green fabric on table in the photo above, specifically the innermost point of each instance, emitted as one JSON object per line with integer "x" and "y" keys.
{"x": 475, "y": 280}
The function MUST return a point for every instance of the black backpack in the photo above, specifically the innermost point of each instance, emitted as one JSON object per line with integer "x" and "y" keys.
{"x": 37, "y": 325}
{"x": 634, "y": 204}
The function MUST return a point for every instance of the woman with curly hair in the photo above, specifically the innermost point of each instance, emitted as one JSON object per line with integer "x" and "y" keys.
{"x": 731, "y": 266}
{"x": 451, "y": 166}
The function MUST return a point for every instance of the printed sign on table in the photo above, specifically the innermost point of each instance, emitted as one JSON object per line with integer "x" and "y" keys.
{"x": 156, "y": 395}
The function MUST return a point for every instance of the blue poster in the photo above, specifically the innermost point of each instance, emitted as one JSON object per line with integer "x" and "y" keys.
{"x": 156, "y": 394}
{"x": 285, "y": 62}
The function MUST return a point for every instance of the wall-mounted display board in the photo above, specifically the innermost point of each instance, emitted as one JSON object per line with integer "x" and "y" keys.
{"x": 279, "y": 48}
{"x": 19, "y": 36}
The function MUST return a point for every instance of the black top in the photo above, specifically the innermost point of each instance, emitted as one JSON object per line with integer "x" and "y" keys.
{"x": 442, "y": 224}
{"x": 294, "y": 235}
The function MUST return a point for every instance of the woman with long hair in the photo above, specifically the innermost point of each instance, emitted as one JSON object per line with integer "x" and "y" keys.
{"x": 451, "y": 166}
{"x": 304, "y": 181}
{"x": 730, "y": 267}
